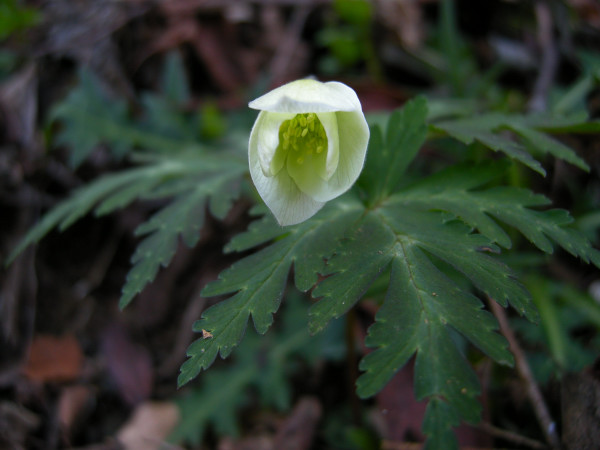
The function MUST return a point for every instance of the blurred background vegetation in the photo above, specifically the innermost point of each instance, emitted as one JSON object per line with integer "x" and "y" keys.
{"x": 83, "y": 83}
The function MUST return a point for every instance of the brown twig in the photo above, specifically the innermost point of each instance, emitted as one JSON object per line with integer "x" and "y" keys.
{"x": 549, "y": 62}
{"x": 219, "y": 4}
{"x": 289, "y": 44}
{"x": 352, "y": 363}
{"x": 533, "y": 391}
{"x": 511, "y": 436}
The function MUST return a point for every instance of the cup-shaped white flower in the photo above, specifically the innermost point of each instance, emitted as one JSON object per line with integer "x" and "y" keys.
{"x": 307, "y": 146}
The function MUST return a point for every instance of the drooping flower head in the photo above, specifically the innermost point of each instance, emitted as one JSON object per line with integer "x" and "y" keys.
{"x": 307, "y": 146}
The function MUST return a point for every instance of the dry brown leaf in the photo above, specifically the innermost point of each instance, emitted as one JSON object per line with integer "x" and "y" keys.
{"x": 129, "y": 364}
{"x": 73, "y": 404}
{"x": 297, "y": 432}
{"x": 149, "y": 426}
{"x": 54, "y": 359}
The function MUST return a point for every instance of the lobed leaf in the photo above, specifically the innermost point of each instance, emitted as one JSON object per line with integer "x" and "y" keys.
{"x": 546, "y": 144}
{"x": 223, "y": 391}
{"x": 487, "y": 129}
{"x": 482, "y": 129}
{"x": 388, "y": 159}
{"x": 454, "y": 190}
{"x": 413, "y": 234}
{"x": 259, "y": 280}
{"x": 195, "y": 180}
{"x": 90, "y": 116}
{"x": 183, "y": 216}
{"x": 421, "y": 305}
{"x": 84, "y": 199}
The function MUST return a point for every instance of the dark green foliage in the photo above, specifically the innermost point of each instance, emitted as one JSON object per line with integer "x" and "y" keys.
{"x": 558, "y": 344}
{"x": 90, "y": 116}
{"x": 200, "y": 178}
{"x": 184, "y": 217}
{"x": 449, "y": 220}
{"x": 261, "y": 364}
{"x": 260, "y": 281}
{"x": 170, "y": 168}
{"x": 421, "y": 303}
{"x": 453, "y": 190}
{"x": 428, "y": 242}
{"x": 395, "y": 153}
{"x": 489, "y": 130}
{"x": 16, "y": 17}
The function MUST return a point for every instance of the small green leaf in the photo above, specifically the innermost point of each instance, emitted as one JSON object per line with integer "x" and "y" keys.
{"x": 217, "y": 401}
{"x": 387, "y": 161}
{"x": 165, "y": 120}
{"x": 90, "y": 117}
{"x": 175, "y": 84}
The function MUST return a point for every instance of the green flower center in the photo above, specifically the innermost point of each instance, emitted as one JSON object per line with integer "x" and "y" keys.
{"x": 301, "y": 137}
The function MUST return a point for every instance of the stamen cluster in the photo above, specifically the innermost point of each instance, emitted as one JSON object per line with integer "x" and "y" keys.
{"x": 303, "y": 134}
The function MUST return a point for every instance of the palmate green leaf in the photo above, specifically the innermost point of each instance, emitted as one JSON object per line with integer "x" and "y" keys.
{"x": 260, "y": 280}
{"x": 490, "y": 130}
{"x": 455, "y": 190}
{"x": 421, "y": 305}
{"x": 90, "y": 117}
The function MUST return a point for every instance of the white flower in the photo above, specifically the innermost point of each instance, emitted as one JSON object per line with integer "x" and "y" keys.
{"x": 307, "y": 146}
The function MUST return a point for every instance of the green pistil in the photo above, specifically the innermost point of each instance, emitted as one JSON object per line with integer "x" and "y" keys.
{"x": 303, "y": 135}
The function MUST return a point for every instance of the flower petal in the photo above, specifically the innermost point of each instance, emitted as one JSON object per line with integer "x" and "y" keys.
{"x": 305, "y": 96}
{"x": 296, "y": 181}
{"x": 353, "y": 133}
{"x": 267, "y": 129}
{"x": 329, "y": 121}
{"x": 280, "y": 193}
{"x": 354, "y": 139}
